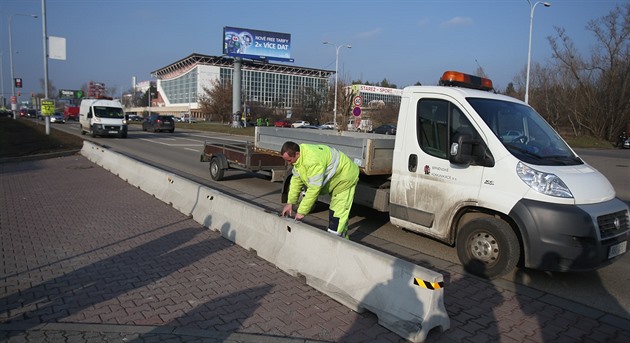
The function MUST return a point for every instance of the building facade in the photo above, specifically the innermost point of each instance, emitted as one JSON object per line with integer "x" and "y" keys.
{"x": 182, "y": 83}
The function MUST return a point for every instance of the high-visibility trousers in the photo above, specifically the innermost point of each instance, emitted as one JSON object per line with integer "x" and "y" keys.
{"x": 339, "y": 211}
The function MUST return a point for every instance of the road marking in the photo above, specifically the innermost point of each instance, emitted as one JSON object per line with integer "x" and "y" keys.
{"x": 171, "y": 144}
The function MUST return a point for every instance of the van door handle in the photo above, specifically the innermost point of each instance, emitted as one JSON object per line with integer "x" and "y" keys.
{"x": 412, "y": 164}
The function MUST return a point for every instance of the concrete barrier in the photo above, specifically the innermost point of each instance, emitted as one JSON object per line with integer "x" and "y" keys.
{"x": 406, "y": 298}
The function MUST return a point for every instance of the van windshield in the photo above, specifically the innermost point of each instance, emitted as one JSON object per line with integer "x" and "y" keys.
{"x": 108, "y": 112}
{"x": 525, "y": 134}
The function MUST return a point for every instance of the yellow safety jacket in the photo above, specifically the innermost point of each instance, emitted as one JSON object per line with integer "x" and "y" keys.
{"x": 323, "y": 170}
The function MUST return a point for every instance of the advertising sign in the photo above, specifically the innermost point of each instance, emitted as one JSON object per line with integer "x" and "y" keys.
{"x": 70, "y": 94}
{"x": 256, "y": 44}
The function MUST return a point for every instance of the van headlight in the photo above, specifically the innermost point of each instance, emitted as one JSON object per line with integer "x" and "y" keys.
{"x": 545, "y": 183}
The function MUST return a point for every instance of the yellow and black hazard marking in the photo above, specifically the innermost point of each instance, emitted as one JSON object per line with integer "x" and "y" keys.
{"x": 427, "y": 284}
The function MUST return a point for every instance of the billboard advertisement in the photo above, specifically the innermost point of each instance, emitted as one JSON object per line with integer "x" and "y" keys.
{"x": 256, "y": 44}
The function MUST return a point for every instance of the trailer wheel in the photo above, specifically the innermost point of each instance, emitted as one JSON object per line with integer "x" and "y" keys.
{"x": 488, "y": 247}
{"x": 216, "y": 172}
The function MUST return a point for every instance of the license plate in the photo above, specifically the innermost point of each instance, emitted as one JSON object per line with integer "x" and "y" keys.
{"x": 113, "y": 131}
{"x": 617, "y": 249}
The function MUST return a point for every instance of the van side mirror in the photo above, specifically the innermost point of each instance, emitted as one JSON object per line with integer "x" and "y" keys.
{"x": 466, "y": 150}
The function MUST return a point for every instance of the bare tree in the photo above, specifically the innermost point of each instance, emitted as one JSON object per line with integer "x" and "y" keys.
{"x": 216, "y": 102}
{"x": 596, "y": 90}
{"x": 309, "y": 103}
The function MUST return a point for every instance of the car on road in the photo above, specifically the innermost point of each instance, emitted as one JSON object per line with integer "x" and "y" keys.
{"x": 58, "y": 118}
{"x": 282, "y": 123}
{"x": 300, "y": 123}
{"x": 328, "y": 126}
{"x": 156, "y": 122}
{"x": 186, "y": 120}
{"x": 135, "y": 117}
{"x": 386, "y": 129}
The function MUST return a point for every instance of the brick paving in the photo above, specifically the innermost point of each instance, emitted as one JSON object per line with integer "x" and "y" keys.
{"x": 85, "y": 257}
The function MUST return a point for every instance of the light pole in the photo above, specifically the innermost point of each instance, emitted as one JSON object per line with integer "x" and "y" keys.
{"x": 337, "y": 47}
{"x": 11, "y": 57}
{"x": 529, "y": 50}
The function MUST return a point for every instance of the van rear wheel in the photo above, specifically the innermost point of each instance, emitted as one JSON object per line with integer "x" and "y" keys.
{"x": 488, "y": 247}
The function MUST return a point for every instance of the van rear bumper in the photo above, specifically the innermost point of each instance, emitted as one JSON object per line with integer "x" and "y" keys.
{"x": 564, "y": 238}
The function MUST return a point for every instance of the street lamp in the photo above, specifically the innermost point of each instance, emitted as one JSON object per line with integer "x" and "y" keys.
{"x": 11, "y": 55}
{"x": 529, "y": 50}
{"x": 337, "y": 47}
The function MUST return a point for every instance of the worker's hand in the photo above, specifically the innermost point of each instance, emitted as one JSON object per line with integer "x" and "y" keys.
{"x": 288, "y": 209}
{"x": 298, "y": 216}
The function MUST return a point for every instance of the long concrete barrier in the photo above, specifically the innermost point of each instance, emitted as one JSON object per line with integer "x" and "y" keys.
{"x": 406, "y": 298}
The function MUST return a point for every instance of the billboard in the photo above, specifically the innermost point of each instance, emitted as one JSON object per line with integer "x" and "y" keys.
{"x": 256, "y": 44}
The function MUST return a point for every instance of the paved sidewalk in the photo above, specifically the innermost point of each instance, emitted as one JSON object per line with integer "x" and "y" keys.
{"x": 85, "y": 257}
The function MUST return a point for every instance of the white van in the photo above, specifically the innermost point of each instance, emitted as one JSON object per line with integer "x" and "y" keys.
{"x": 102, "y": 117}
{"x": 360, "y": 124}
{"x": 485, "y": 173}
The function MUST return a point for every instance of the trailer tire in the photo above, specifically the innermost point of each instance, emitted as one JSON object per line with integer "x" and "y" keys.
{"x": 216, "y": 171}
{"x": 488, "y": 247}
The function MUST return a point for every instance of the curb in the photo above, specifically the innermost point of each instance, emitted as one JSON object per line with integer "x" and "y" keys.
{"x": 163, "y": 331}
{"x": 39, "y": 156}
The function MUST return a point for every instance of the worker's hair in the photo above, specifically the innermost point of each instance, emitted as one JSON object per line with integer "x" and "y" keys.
{"x": 290, "y": 148}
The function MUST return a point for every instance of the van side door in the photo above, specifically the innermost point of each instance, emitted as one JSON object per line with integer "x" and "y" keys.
{"x": 427, "y": 189}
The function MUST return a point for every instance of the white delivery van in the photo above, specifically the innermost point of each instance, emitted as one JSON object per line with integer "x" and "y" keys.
{"x": 102, "y": 117}
{"x": 360, "y": 124}
{"x": 483, "y": 172}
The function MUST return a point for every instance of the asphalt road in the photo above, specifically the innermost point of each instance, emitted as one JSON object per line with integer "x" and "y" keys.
{"x": 604, "y": 289}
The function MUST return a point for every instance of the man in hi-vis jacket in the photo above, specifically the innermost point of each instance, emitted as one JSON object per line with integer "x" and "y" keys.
{"x": 323, "y": 170}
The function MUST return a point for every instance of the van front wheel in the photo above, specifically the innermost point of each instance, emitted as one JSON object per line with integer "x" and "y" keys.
{"x": 488, "y": 247}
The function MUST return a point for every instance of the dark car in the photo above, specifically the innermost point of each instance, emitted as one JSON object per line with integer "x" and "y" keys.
{"x": 156, "y": 122}
{"x": 387, "y": 129}
{"x": 57, "y": 118}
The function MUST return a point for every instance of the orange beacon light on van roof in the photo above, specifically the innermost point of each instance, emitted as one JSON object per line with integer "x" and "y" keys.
{"x": 455, "y": 78}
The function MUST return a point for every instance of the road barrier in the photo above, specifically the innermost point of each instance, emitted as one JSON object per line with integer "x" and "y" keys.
{"x": 406, "y": 298}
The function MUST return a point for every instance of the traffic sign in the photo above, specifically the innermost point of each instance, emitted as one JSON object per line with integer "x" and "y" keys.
{"x": 48, "y": 107}
{"x": 356, "y": 111}
{"x": 358, "y": 101}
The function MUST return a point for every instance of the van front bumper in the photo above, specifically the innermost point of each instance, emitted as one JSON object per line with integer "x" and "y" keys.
{"x": 564, "y": 238}
{"x": 104, "y": 130}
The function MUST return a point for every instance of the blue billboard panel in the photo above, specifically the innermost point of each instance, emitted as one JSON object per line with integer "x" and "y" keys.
{"x": 256, "y": 44}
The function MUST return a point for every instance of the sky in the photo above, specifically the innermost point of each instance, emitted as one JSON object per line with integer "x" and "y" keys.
{"x": 403, "y": 41}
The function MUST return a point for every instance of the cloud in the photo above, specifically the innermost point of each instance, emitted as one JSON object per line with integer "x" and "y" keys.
{"x": 370, "y": 34}
{"x": 457, "y": 21}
